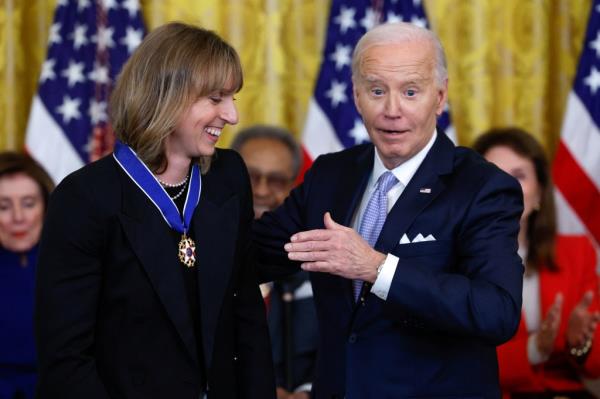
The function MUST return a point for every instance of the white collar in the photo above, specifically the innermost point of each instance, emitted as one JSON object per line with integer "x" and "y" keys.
{"x": 406, "y": 170}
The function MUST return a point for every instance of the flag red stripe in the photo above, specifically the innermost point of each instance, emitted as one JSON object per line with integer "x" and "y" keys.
{"x": 578, "y": 189}
{"x": 306, "y": 163}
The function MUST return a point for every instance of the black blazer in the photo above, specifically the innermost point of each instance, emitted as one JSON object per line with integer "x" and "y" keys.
{"x": 112, "y": 319}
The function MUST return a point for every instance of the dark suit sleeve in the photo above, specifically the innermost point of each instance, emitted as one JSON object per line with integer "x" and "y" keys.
{"x": 68, "y": 284}
{"x": 274, "y": 229}
{"x": 479, "y": 293}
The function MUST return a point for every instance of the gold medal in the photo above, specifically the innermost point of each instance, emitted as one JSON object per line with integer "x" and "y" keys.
{"x": 187, "y": 251}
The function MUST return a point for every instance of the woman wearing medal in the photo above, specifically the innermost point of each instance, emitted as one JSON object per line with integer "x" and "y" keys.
{"x": 144, "y": 285}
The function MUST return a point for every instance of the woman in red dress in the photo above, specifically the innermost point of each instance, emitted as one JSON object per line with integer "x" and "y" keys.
{"x": 556, "y": 343}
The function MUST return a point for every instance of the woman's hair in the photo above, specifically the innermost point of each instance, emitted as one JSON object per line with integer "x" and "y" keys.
{"x": 541, "y": 227}
{"x": 13, "y": 162}
{"x": 174, "y": 66}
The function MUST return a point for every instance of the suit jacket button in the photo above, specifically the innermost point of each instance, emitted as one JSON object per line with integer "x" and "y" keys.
{"x": 352, "y": 338}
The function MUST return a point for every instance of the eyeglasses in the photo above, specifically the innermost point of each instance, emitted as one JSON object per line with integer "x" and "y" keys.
{"x": 275, "y": 181}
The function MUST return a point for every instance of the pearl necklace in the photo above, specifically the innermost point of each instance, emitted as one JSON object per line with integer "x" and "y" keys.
{"x": 179, "y": 193}
{"x": 181, "y": 183}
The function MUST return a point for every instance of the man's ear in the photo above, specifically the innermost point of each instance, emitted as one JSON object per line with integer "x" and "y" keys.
{"x": 442, "y": 92}
{"x": 355, "y": 95}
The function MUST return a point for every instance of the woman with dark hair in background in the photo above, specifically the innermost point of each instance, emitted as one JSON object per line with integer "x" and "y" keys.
{"x": 556, "y": 343}
{"x": 24, "y": 191}
{"x": 145, "y": 288}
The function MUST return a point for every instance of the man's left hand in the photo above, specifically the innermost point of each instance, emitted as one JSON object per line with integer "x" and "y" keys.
{"x": 337, "y": 249}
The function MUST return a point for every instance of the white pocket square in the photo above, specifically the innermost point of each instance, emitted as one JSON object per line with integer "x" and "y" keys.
{"x": 418, "y": 238}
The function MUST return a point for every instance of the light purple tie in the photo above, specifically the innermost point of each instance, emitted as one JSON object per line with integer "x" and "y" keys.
{"x": 374, "y": 216}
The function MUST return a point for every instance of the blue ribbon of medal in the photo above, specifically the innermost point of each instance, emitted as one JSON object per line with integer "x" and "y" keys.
{"x": 139, "y": 173}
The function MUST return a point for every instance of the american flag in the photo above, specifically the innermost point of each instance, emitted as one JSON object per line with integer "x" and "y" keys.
{"x": 332, "y": 120}
{"x": 89, "y": 42}
{"x": 576, "y": 168}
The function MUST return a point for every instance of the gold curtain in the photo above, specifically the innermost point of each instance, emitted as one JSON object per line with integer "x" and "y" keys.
{"x": 511, "y": 62}
{"x": 24, "y": 26}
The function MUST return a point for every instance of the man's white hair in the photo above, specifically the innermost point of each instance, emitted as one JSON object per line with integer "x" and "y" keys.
{"x": 399, "y": 32}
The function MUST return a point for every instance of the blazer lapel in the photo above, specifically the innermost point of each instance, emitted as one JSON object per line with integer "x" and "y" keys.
{"x": 423, "y": 188}
{"x": 351, "y": 186}
{"x": 150, "y": 239}
{"x": 215, "y": 227}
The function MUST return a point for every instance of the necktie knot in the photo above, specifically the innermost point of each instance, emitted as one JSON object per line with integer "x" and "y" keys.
{"x": 386, "y": 181}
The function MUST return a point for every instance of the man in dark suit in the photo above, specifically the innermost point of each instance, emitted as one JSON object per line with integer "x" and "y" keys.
{"x": 412, "y": 242}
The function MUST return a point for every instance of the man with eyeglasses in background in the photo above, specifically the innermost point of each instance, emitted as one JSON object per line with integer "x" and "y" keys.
{"x": 273, "y": 158}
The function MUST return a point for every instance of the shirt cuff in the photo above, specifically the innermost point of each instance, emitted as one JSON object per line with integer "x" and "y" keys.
{"x": 382, "y": 284}
{"x": 306, "y": 387}
{"x": 533, "y": 354}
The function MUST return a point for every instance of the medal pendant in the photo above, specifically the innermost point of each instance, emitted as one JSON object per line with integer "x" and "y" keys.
{"x": 187, "y": 251}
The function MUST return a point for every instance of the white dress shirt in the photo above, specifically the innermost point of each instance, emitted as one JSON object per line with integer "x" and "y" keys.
{"x": 404, "y": 173}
